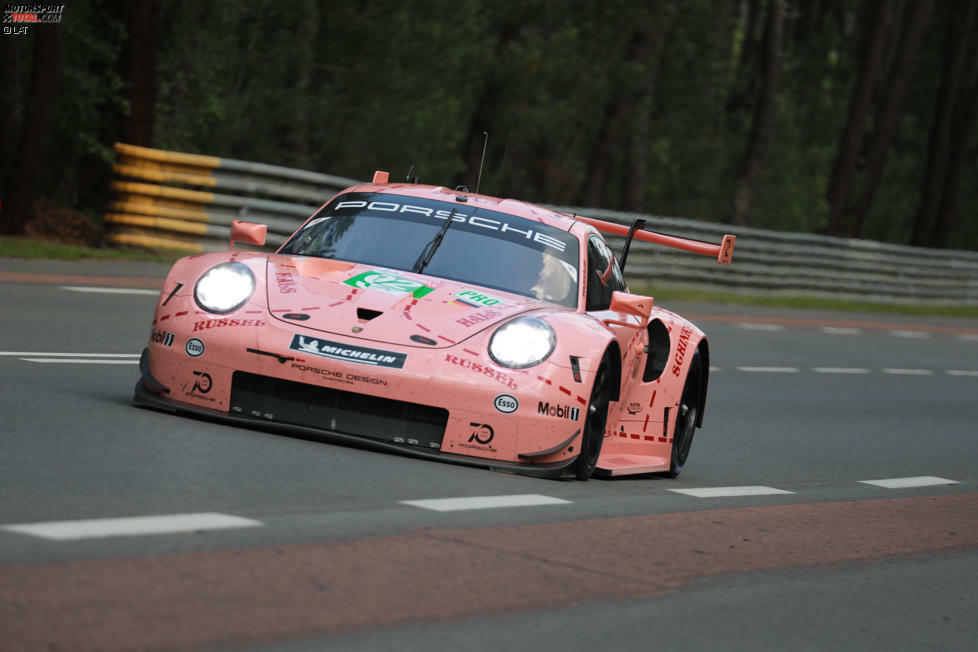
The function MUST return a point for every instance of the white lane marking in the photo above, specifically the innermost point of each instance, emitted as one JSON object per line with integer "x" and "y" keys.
{"x": 85, "y": 361}
{"x": 904, "y": 483}
{"x": 131, "y": 526}
{"x": 909, "y": 372}
{"x": 712, "y": 368}
{"x": 840, "y": 370}
{"x": 770, "y": 370}
{"x": 761, "y": 327}
{"x": 72, "y": 354}
{"x": 838, "y": 330}
{"x": 723, "y": 492}
{"x": 971, "y": 337}
{"x": 84, "y": 288}
{"x": 912, "y": 334}
{"x": 961, "y": 372}
{"x": 484, "y": 502}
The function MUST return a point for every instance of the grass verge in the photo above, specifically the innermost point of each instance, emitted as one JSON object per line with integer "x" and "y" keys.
{"x": 819, "y": 303}
{"x": 14, "y": 247}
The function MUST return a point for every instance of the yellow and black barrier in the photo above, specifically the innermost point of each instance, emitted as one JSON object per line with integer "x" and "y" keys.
{"x": 176, "y": 200}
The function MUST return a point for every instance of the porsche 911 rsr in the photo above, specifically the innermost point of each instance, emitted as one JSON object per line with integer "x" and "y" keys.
{"x": 438, "y": 323}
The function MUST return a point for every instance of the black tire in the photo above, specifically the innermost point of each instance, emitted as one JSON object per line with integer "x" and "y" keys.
{"x": 595, "y": 419}
{"x": 689, "y": 413}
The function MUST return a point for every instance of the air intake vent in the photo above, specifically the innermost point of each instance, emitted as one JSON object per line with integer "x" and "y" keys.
{"x": 365, "y": 314}
{"x": 360, "y": 415}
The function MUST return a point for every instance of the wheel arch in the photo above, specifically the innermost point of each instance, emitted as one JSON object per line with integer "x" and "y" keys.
{"x": 703, "y": 348}
{"x": 615, "y": 370}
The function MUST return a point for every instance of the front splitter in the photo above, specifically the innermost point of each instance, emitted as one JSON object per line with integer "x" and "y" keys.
{"x": 145, "y": 397}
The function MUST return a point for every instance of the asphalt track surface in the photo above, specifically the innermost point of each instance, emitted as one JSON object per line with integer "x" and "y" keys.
{"x": 261, "y": 541}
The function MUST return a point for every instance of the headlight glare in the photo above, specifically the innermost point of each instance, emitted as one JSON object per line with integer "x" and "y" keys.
{"x": 522, "y": 342}
{"x": 224, "y": 288}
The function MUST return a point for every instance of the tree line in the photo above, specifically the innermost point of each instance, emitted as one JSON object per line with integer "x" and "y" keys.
{"x": 849, "y": 118}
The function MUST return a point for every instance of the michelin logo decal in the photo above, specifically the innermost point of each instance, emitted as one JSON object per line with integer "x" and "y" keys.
{"x": 348, "y": 352}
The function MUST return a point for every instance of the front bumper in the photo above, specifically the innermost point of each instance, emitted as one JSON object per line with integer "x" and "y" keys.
{"x": 152, "y": 398}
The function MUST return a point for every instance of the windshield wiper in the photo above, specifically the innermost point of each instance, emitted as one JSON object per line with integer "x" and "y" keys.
{"x": 430, "y": 248}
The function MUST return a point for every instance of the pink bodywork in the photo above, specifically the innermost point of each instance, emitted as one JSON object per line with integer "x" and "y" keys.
{"x": 454, "y": 372}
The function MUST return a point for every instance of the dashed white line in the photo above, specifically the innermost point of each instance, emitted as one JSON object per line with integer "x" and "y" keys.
{"x": 484, "y": 502}
{"x": 761, "y": 327}
{"x": 70, "y": 354}
{"x": 770, "y": 370}
{"x": 971, "y": 337}
{"x": 838, "y": 330}
{"x": 840, "y": 370}
{"x": 910, "y": 334}
{"x": 85, "y": 288}
{"x": 909, "y": 372}
{"x": 131, "y": 526}
{"x": 74, "y": 358}
{"x": 724, "y": 492}
{"x": 904, "y": 483}
{"x": 961, "y": 372}
{"x": 79, "y": 361}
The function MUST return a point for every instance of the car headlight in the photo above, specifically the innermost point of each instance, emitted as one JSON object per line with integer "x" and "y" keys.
{"x": 522, "y": 343}
{"x": 224, "y": 288}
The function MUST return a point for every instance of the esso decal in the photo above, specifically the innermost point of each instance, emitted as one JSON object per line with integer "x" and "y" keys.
{"x": 506, "y": 404}
{"x": 195, "y": 348}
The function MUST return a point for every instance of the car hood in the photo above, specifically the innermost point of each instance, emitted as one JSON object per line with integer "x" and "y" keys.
{"x": 384, "y": 305}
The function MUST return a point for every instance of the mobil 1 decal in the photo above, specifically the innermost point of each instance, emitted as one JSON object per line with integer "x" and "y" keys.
{"x": 162, "y": 338}
{"x": 558, "y": 411}
{"x": 388, "y": 282}
{"x": 347, "y": 352}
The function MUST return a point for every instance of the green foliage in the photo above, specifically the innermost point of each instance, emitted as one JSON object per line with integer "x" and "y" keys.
{"x": 90, "y": 93}
{"x": 350, "y": 87}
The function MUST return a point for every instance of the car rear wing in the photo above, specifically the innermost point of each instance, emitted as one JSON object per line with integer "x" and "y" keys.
{"x": 723, "y": 251}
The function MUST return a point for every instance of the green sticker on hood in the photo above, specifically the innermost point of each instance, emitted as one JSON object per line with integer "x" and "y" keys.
{"x": 477, "y": 299}
{"x": 389, "y": 283}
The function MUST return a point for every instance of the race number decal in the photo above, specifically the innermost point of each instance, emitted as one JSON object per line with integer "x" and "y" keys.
{"x": 389, "y": 283}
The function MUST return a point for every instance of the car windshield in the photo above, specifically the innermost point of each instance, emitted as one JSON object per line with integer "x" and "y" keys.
{"x": 481, "y": 247}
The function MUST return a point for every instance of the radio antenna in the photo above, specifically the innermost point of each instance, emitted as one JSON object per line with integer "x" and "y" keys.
{"x": 484, "y": 143}
{"x": 512, "y": 126}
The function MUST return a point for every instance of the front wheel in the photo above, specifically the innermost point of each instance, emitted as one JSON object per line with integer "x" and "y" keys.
{"x": 689, "y": 412}
{"x": 594, "y": 422}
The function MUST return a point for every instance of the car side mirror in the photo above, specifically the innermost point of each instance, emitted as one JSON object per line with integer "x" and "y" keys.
{"x": 248, "y": 232}
{"x": 630, "y": 304}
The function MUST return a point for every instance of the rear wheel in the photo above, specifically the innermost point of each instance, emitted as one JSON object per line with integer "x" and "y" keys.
{"x": 689, "y": 412}
{"x": 594, "y": 422}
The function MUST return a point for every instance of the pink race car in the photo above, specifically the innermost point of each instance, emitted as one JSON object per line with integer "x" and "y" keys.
{"x": 439, "y": 323}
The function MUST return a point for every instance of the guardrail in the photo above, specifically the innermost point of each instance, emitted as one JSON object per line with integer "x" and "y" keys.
{"x": 187, "y": 201}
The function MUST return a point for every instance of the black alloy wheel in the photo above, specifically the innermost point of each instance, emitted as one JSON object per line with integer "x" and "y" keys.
{"x": 594, "y": 422}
